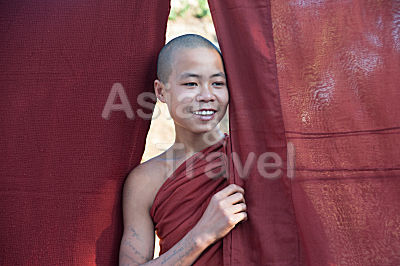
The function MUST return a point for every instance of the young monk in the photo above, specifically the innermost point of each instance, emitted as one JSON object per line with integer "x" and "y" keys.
{"x": 174, "y": 192}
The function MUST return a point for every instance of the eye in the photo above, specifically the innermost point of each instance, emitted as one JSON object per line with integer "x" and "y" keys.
{"x": 218, "y": 83}
{"x": 190, "y": 84}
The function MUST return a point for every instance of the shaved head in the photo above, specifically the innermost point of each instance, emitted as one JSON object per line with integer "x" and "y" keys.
{"x": 168, "y": 52}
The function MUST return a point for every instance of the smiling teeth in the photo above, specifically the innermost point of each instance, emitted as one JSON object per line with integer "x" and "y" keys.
{"x": 204, "y": 112}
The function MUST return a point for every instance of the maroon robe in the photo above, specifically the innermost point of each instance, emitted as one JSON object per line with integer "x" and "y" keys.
{"x": 184, "y": 196}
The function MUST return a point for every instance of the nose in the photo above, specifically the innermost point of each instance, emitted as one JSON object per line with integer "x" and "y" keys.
{"x": 205, "y": 94}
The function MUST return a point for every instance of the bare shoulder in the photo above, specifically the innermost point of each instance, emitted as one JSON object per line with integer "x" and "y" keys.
{"x": 139, "y": 192}
{"x": 144, "y": 181}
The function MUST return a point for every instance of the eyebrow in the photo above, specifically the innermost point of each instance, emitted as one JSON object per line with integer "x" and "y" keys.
{"x": 192, "y": 75}
{"x": 189, "y": 75}
{"x": 220, "y": 74}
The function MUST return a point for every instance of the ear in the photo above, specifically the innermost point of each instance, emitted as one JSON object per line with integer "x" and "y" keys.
{"x": 159, "y": 89}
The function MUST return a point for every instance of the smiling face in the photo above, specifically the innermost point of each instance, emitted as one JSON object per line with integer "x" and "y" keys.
{"x": 196, "y": 92}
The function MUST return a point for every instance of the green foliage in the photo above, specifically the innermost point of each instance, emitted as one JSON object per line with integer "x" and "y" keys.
{"x": 198, "y": 10}
{"x": 179, "y": 12}
{"x": 203, "y": 9}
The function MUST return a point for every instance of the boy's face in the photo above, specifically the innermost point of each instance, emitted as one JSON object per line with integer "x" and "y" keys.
{"x": 196, "y": 92}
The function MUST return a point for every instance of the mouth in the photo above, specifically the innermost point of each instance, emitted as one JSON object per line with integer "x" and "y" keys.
{"x": 205, "y": 114}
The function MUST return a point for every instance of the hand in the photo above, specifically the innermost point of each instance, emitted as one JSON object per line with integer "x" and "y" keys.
{"x": 226, "y": 209}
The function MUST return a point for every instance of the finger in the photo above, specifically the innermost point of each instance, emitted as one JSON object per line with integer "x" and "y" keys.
{"x": 241, "y": 207}
{"x": 239, "y": 217}
{"x": 229, "y": 190}
{"x": 234, "y": 198}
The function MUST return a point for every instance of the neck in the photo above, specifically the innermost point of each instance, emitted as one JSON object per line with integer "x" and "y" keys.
{"x": 193, "y": 142}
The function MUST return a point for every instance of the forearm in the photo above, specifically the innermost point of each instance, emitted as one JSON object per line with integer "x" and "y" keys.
{"x": 185, "y": 252}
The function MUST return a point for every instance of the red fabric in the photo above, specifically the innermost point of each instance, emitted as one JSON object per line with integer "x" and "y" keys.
{"x": 337, "y": 65}
{"x": 269, "y": 237}
{"x": 62, "y": 164}
{"x": 338, "y": 68}
{"x": 184, "y": 196}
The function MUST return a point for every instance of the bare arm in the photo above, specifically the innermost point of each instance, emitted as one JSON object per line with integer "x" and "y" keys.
{"x": 137, "y": 243}
{"x": 225, "y": 210}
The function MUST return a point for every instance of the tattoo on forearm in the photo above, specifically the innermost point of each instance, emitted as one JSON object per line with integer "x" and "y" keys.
{"x": 134, "y": 233}
{"x": 180, "y": 256}
{"x": 187, "y": 253}
{"x": 129, "y": 244}
{"x": 171, "y": 255}
{"x": 130, "y": 258}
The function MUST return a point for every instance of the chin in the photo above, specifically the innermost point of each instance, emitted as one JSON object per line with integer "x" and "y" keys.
{"x": 200, "y": 130}
{"x": 197, "y": 128}
{"x": 206, "y": 130}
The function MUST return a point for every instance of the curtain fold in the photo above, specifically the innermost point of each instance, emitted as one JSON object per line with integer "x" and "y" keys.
{"x": 64, "y": 156}
{"x": 269, "y": 236}
{"x": 323, "y": 77}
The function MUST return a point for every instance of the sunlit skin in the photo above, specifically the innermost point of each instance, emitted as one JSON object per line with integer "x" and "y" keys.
{"x": 197, "y": 82}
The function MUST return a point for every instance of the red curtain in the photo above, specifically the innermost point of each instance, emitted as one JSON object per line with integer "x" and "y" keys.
{"x": 269, "y": 237}
{"x": 339, "y": 79}
{"x": 62, "y": 163}
{"x": 323, "y": 76}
